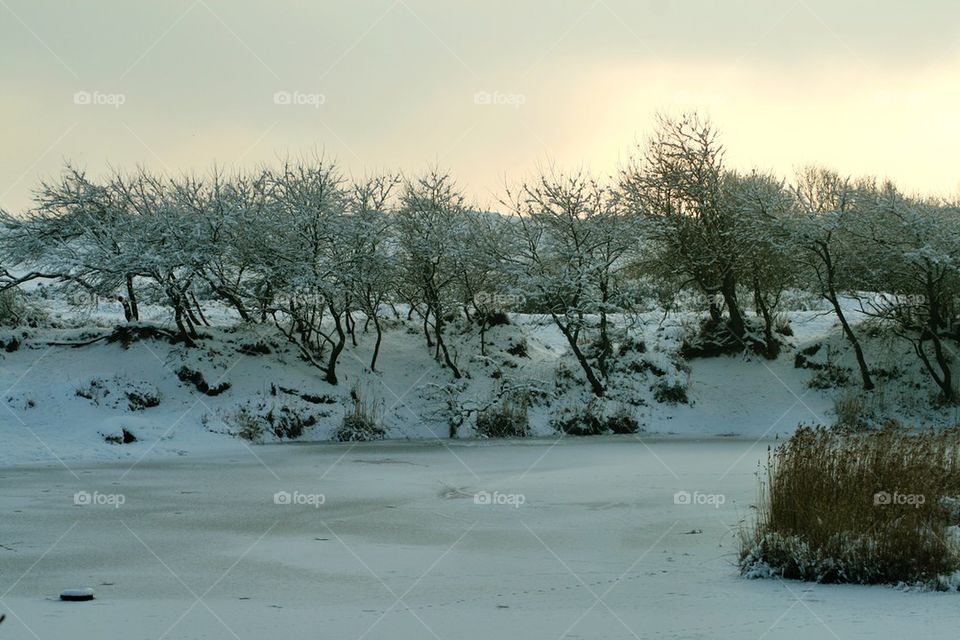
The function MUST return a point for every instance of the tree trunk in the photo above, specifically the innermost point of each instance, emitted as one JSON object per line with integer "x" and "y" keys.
{"x": 729, "y": 291}
{"x": 595, "y": 385}
{"x": 331, "y": 373}
{"x": 376, "y": 346}
{"x": 852, "y": 338}
{"x": 132, "y": 299}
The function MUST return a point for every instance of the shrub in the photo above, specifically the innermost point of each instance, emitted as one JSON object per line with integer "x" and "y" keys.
{"x": 508, "y": 419}
{"x": 859, "y": 507}
{"x": 361, "y": 422}
{"x": 595, "y": 418}
{"x": 125, "y": 437}
{"x": 802, "y": 359}
{"x": 782, "y": 326}
{"x": 519, "y": 349}
{"x": 830, "y": 377}
{"x": 16, "y": 312}
{"x": 287, "y": 424}
{"x": 186, "y": 374}
{"x": 495, "y": 318}
{"x": 581, "y": 422}
{"x": 621, "y": 421}
{"x": 712, "y": 339}
{"x": 140, "y": 398}
{"x": 247, "y": 424}
{"x": 850, "y": 411}
{"x": 127, "y": 334}
{"x": 670, "y": 391}
{"x": 259, "y": 348}
{"x": 632, "y": 344}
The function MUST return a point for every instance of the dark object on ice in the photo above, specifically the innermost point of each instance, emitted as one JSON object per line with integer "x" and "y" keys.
{"x": 77, "y": 595}
{"x": 3, "y": 617}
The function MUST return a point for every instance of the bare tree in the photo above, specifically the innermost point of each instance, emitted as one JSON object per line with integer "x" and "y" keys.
{"x": 570, "y": 256}
{"x": 677, "y": 185}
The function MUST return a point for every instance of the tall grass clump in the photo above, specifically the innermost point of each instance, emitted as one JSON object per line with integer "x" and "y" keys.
{"x": 362, "y": 419}
{"x": 845, "y": 506}
{"x": 508, "y": 419}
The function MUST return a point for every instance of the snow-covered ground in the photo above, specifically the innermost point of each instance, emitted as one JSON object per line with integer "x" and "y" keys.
{"x": 589, "y": 542}
{"x": 193, "y": 532}
{"x": 64, "y": 403}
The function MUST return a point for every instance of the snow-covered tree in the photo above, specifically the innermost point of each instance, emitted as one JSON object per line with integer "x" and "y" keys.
{"x": 767, "y": 262}
{"x": 431, "y": 225}
{"x": 299, "y": 251}
{"x": 369, "y": 236}
{"x": 909, "y": 258}
{"x": 570, "y": 258}
{"x": 821, "y": 231}
{"x": 677, "y": 184}
{"x": 79, "y": 234}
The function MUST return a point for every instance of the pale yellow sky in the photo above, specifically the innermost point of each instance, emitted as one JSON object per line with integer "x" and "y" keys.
{"x": 489, "y": 90}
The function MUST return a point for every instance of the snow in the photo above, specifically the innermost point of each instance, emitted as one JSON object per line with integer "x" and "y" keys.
{"x": 61, "y": 402}
{"x": 191, "y": 532}
{"x": 399, "y": 548}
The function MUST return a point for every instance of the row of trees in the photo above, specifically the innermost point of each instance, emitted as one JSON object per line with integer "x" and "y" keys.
{"x": 315, "y": 254}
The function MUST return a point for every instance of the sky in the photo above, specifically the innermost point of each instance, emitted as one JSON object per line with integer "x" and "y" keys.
{"x": 491, "y": 91}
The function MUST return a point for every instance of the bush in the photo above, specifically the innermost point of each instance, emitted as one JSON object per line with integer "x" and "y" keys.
{"x": 141, "y": 397}
{"x": 850, "y": 411}
{"x": 519, "y": 349}
{"x": 713, "y": 339}
{"x": 830, "y": 377}
{"x": 622, "y": 421}
{"x": 782, "y": 326}
{"x": 596, "y": 418}
{"x": 125, "y": 437}
{"x": 361, "y": 423}
{"x": 16, "y": 312}
{"x": 284, "y": 423}
{"x": 259, "y": 348}
{"x": 495, "y": 318}
{"x": 802, "y": 359}
{"x": 858, "y": 507}
{"x": 508, "y": 419}
{"x": 186, "y": 374}
{"x": 247, "y": 424}
{"x": 670, "y": 391}
{"x": 127, "y": 334}
{"x": 287, "y": 424}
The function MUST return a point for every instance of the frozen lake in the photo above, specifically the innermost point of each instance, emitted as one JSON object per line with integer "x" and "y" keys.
{"x": 583, "y": 539}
